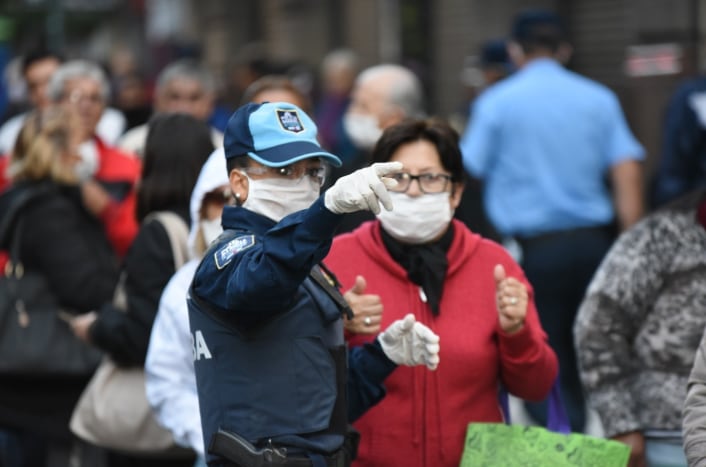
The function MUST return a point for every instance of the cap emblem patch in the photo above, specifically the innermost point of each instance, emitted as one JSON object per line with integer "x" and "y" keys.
{"x": 289, "y": 119}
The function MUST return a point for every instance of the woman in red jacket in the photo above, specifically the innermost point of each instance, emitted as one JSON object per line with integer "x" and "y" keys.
{"x": 467, "y": 289}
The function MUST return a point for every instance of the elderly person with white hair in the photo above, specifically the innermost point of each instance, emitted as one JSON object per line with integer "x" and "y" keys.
{"x": 107, "y": 174}
{"x": 383, "y": 95}
{"x": 37, "y": 68}
{"x": 183, "y": 86}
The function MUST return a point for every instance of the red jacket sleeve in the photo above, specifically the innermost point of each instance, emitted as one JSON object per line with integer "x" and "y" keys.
{"x": 121, "y": 171}
{"x": 527, "y": 352}
{"x": 120, "y": 223}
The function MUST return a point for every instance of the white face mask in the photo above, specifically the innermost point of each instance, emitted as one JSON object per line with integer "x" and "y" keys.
{"x": 364, "y": 130}
{"x": 88, "y": 165}
{"x": 278, "y": 197}
{"x": 418, "y": 219}
{"x": 211, "y": 229}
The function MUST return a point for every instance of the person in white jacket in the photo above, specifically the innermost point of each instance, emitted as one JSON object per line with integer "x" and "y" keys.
{"x": 171, "y": 384}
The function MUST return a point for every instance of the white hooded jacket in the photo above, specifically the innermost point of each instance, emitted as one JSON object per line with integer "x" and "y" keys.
{"x": 171, "y": 384}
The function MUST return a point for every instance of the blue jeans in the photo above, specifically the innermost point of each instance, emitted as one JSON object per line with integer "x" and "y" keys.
{"x": 559, "y": 266}
{"x": 664, "y": 453}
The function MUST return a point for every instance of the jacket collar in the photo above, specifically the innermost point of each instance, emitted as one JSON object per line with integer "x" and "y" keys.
{"x": 239, "y": 218}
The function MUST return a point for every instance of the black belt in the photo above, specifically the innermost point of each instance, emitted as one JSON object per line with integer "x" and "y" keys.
{"x": 337, "y": 459}
{"x": 240, "y": 453}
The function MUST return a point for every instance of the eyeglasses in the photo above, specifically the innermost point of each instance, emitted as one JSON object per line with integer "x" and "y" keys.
{"x": 428, "y": 183}
{"x": 290, "y": 172}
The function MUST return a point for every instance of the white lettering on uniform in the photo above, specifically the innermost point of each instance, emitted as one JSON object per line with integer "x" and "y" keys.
{"x": 199, "y": 347}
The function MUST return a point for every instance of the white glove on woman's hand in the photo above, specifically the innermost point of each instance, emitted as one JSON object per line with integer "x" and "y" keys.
{"x": 408, "y": 342}
{"x": 363, "y": 189}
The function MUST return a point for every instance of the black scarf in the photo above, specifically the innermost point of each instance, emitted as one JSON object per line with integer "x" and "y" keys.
{"x": 426, "y": 264}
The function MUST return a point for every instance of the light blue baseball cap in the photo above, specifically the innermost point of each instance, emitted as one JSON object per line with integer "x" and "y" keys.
{"x": 275, "y": 134}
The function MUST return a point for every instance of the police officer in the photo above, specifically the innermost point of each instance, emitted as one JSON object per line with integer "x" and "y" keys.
{"x": 276, "y": 384}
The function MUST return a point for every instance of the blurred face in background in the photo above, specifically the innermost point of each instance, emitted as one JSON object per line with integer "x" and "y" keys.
{"x": 370, "y": 111}
{"x": 83, "y": 96}
{"x": 338, "y": 80}
{"x": 280, "y": 95}
{"x": 182, "y": 95}
{"x": 37, "y": 77}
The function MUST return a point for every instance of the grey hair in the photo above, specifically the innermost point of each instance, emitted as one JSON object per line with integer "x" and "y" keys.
{"x": 406, "y": 91}
{"x": 186, "y": 69}
{"x": 77, "y": 69}
{"x": 340, "y": 58}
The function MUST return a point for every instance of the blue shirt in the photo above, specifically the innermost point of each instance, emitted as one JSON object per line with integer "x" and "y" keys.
{"x": 542, "y": 140}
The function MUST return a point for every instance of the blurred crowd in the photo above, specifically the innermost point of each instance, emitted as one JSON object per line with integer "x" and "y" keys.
{"x": 547, "y": 167}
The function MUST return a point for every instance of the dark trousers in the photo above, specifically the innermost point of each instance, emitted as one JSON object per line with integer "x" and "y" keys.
{"x": 560, "y": 265}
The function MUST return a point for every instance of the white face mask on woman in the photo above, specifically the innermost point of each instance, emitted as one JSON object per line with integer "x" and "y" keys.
{"x": 364, "y": 130}
{"x": 278, "y": 197}
{"x": 211, "y": 229}
{"x": 418, "y": 219}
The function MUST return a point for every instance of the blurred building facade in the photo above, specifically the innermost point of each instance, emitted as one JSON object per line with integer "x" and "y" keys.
{"x": 639, "y": 48}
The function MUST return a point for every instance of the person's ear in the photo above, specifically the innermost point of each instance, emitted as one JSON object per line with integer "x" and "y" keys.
{"x": 456, "y": 193}
{"x": 238, "y": 186}
{"x": 563, "y": 55}
{"x": 517, "y": 55}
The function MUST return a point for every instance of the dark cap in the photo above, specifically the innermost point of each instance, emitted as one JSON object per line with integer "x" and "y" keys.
{"x": 494, "y": 52}
{"x": 529, "y": 23}
{"x": 275, "y": 134}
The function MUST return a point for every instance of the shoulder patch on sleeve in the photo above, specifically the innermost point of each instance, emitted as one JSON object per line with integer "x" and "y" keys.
{"x": 225, "y": 254}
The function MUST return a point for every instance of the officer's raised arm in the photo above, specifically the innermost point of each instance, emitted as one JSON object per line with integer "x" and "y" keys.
{"x": 273, "y": 371}
{"x": 276, "y": 171}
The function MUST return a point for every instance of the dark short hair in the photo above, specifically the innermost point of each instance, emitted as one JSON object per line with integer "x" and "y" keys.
{"x": 237, "y": 162}
{"x": 176, "y": 148}
{"x": 538, "y": 29}
{"x": 37, "y": 55}
{"x": 435, "y": 130}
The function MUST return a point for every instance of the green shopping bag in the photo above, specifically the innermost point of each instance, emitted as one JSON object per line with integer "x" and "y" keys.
{"x": 498, "y": 444}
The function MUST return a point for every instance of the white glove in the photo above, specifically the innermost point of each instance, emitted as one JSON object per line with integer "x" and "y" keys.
{"x": 363, "y": 189}
{"x": 408, "y": 342}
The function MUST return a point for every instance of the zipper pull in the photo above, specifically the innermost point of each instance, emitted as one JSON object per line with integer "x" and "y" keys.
{"x": 422, "y": 295}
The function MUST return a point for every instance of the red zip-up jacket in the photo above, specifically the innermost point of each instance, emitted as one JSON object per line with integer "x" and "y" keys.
{"x": 423, "y": 419}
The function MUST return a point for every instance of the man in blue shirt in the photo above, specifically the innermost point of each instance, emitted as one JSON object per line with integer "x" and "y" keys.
{"x": 544, "y": 141}
{"x": 276, "y": 384}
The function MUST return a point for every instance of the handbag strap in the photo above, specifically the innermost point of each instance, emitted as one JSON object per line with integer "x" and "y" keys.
{"x": 557, "y": 420}
{"x": 178, "y": 233}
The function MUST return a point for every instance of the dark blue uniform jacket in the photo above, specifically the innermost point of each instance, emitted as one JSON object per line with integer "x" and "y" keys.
{"x": 275, "y": 366}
